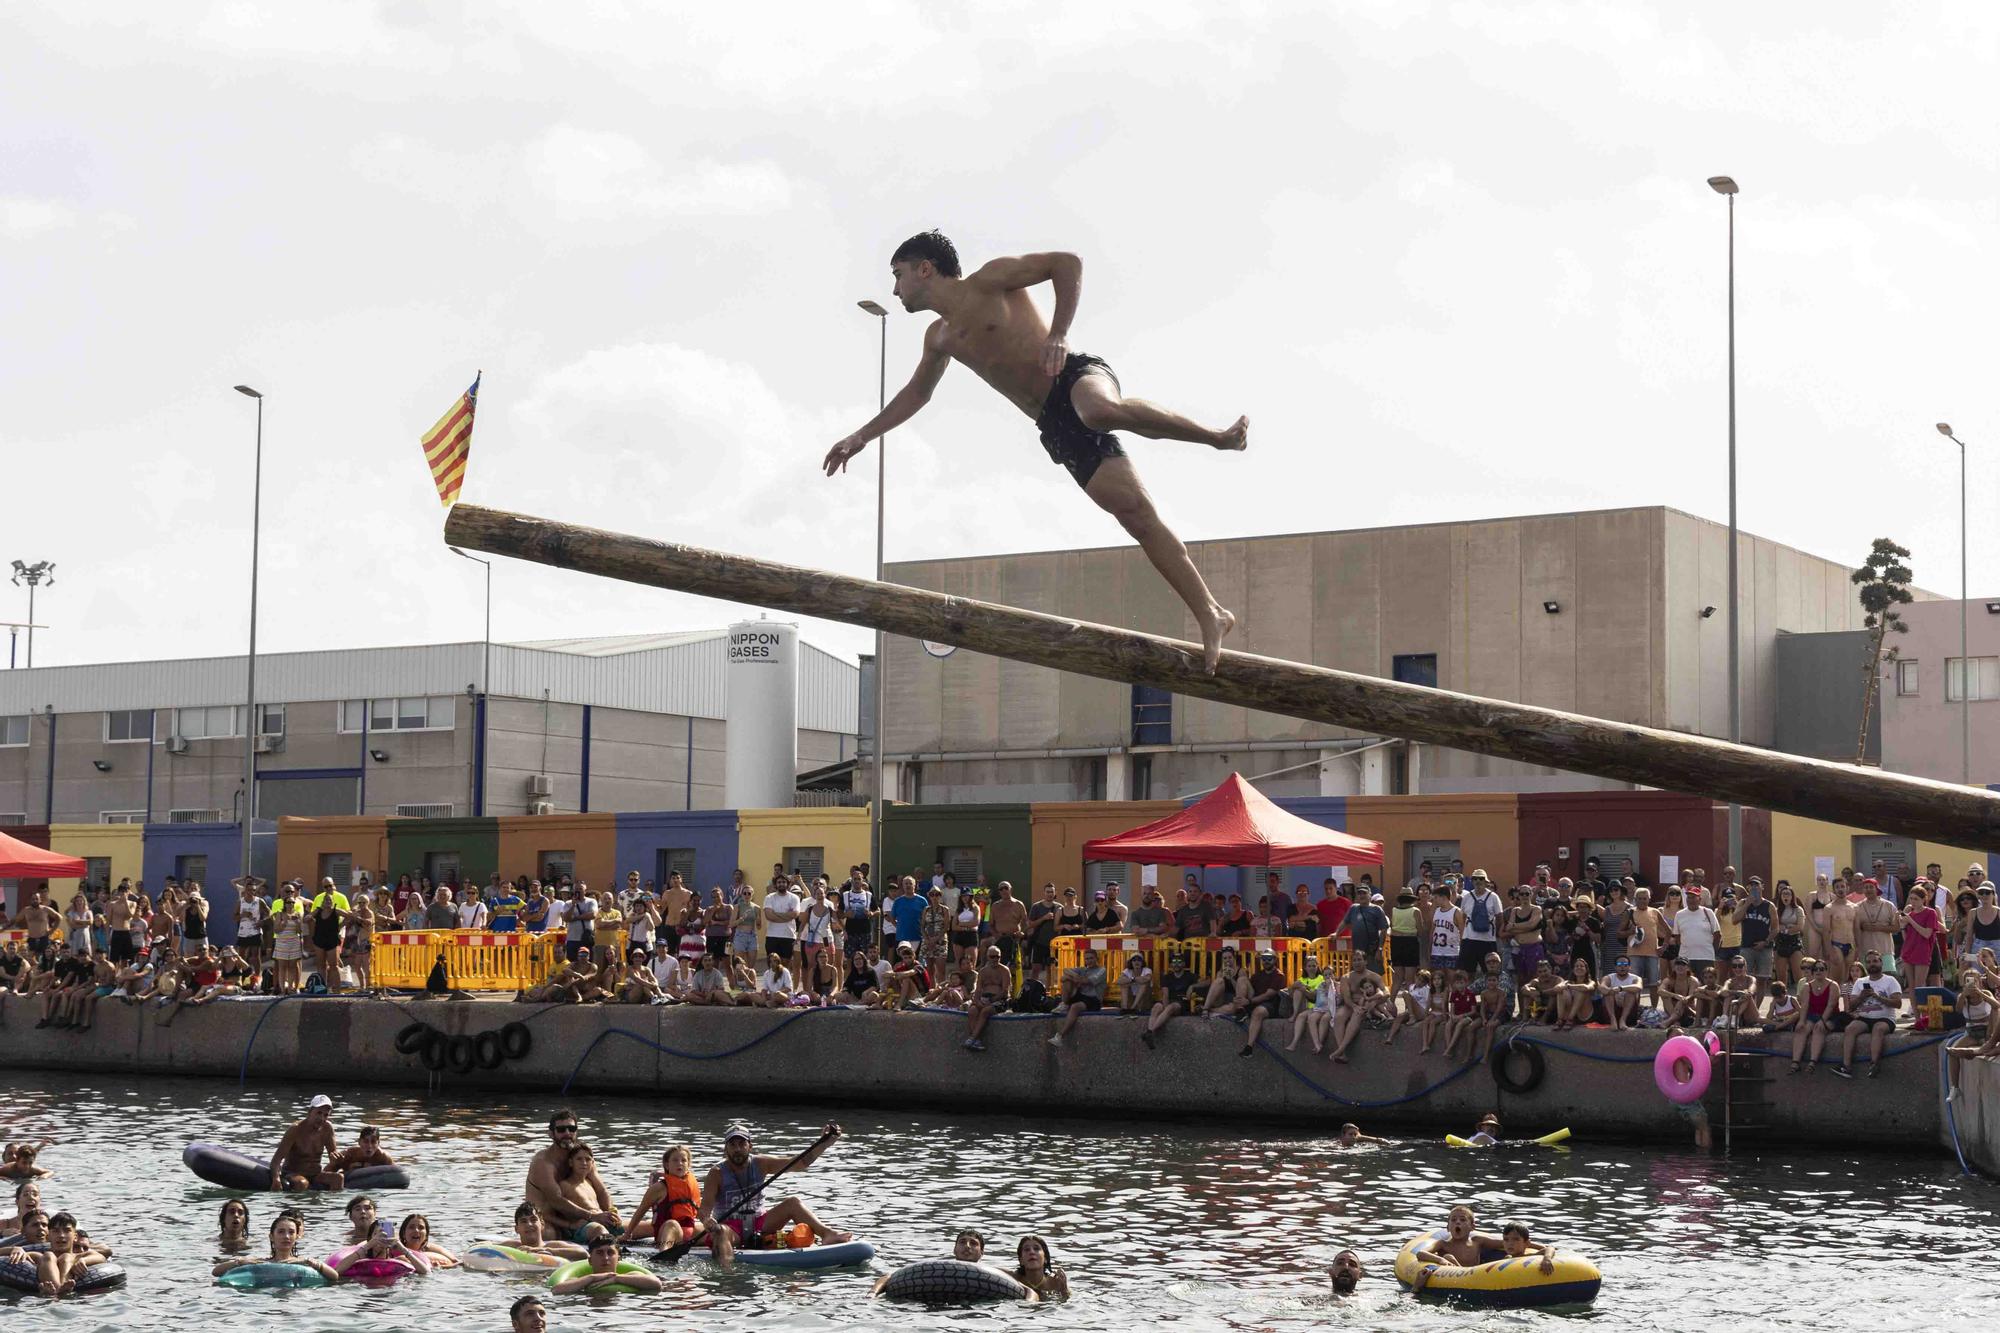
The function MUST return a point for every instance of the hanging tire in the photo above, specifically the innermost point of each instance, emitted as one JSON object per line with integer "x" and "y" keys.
{"x": 459, "y": 1054}
{"x": 486, "y": 1052}
{"x": 411, "y": 1039}
{"x": 514, "y": 1040}
{"x": 433, "y": 1051}
{"x": 1503, "y": 1073}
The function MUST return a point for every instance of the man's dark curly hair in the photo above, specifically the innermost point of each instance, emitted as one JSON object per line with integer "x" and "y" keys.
{"x": 933, "y": 245}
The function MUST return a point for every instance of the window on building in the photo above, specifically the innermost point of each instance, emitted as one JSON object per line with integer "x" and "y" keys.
{"x": 96, "y": 872}
{"x": 194, "y": 816}
{"x": 128, "y": 724}
{"x": 338, "y": 867}
{"x": 675, "y": 861}
{"x": 1415, "y": 668}
{"x": 1906, "y": 677}
{"x": 206, "y": 723}
{"x": 121, "y": 817}
{"x": 1985, "y": 676}
{"x": 14, "y": 729}
{"x": 966, "y": 864}
{"x": 270, "y": 719}
{"x": 191, "y": 868}
{"x": 435, "y": 713}
{"x": 810, "y": 862}
{"x": 422, "y": 810}
{"x": 1152, "y": 715}
{"x": 1440, "y": 854}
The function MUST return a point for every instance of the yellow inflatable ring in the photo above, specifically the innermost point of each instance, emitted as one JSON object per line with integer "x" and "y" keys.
{"x": 1501, "y": 1281}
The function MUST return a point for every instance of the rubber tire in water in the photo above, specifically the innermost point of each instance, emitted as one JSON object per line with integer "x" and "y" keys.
{"x": 459, "y": 1054}
{"x": 515, "y": 1041}
{"x": 1538, "y": 1067}
{"x": 486, "y": 1051}
{"x": 433, "y": 1051}
{"x": 411, "y": 1039}
{"x": 951, "y": 1282}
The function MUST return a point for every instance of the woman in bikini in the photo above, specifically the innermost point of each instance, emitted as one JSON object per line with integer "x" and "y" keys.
{"x": 1035, "y": 1269}
{"x": 1821, "y": 1003}
{"x": 361, "y": 941}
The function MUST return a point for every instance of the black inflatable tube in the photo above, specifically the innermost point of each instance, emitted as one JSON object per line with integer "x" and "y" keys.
{"x": 239, "y": 1171}
{"x": 1538, "y": 1067}
{"x": 20, "y": 1276}
{"x": 950, "y": 1282}
{"x": 514, "y": 1040}
{"x": 433, "y": 1051}
{"x": 486, "y": 1052}
{"x": 411, "y": 1039}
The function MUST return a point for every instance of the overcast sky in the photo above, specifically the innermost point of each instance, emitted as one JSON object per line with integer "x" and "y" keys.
{"x": 1455, "y": 260}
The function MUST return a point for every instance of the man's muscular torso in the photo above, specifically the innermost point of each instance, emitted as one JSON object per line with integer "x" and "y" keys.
{"x": 999, "y": 336}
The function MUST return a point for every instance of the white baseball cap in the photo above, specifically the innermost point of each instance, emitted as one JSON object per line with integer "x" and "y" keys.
{"x": 319, "y": 1101}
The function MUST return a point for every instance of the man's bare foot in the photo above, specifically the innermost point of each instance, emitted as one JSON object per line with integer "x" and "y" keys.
{"x": 1213, "y": 631}
{"x": 1236, "y": 437}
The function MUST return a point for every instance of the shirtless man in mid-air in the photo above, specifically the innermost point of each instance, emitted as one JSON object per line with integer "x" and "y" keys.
{"x": 989, "y": 323}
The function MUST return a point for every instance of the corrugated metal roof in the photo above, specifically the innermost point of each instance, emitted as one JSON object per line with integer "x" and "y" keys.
{"x": 658, "y": 673}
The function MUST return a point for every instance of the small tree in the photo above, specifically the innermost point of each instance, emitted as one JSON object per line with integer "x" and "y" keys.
{"x": 1884, "y": 581}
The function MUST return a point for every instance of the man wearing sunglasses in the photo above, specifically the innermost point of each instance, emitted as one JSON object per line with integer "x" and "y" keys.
{"x": 560, "y": 1214}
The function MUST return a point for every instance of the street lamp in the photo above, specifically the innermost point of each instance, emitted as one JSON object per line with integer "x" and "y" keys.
{"x": 1723, "y": 185}
{"x": 485, "y": 667}
{"x": 248, "y": 812}
{"x": 881, "y": 488}
{"x": 1965, "y": 676}
{"x": 42, "y": 571}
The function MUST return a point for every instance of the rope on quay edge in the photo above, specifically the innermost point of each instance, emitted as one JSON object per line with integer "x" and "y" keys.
{"x": 758, "y": 1040}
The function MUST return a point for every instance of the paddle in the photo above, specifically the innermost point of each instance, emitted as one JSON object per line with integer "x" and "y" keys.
{"x": 673, "y": 1256}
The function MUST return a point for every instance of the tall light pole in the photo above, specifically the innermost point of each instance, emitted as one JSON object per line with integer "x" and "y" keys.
{"x": 486, "y": 661}
{"x": 44, "y": 571}
{"x": 1965, "y": 676}
{"x": 249, "y": 811}
{"x": 1723, "y": 185}
{"x": 881, "y": 667}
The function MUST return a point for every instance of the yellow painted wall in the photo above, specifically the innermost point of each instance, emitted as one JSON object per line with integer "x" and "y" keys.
{"x": 1795, "y": 841}
{"x": 841, "y": 832}
{"x": 125, "y": 844}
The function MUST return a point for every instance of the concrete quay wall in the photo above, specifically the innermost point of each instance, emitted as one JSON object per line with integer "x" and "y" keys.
{"x": 1976, "y": 1112}
{"x": 915, "y": 1059}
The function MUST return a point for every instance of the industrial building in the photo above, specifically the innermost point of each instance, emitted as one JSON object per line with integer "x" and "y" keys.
{"x": 1616, "y": 613}
{"x": 626, "y": 723}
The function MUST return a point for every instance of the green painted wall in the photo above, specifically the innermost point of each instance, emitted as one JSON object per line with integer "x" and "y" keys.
{"x": 476, "y": 840}
{"x": 916, "y": 835}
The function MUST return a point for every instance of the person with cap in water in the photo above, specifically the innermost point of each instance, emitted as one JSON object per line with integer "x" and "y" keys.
{"x": 1346, "y": 1272}
{"x": 298, "y": 1162}
{"x": 733, "y": 1210}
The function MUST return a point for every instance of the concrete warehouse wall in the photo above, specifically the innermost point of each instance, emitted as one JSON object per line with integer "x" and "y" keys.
{"x": 885, "y": 1059}
{"x": 1977, "y": 1113}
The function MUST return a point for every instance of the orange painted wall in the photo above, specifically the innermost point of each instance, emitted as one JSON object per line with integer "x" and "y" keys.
{"x": 363, "y": 838}
{"x": 594, "y": 839}
{"x": 1057, "y": 831}
{"x": 1484, "y": 824}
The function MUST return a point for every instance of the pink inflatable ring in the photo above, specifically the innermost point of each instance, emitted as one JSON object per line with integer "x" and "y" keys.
{"x": 1672, "y": 1052}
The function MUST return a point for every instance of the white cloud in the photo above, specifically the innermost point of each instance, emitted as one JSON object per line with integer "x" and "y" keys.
{"x": 598, "y": 174}
{"x": 24, "y": 219}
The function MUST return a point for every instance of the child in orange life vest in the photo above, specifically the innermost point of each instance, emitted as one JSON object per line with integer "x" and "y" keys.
{"x": 672, "y": 1198}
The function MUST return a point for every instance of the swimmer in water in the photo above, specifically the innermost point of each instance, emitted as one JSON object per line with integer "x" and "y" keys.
{"x": 604, "y": 1272}
{"x": 1345, "y": 1272}
{"x": 1035, "y": 1269}
{"x": 1352, "y": 1137}
{"x": 529, "y": 1236}
{"x": 969, "y": 1245}
{"x": 235, "y": 1225}
{"x": 286, "y": 1229}
{"x": 1463, "y": 1247}
{"x": 19, "y": 1164}
{"x": 1488, "y": 1133}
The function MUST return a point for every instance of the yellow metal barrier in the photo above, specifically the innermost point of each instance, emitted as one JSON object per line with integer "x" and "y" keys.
{"x": 1204, "y": 955}
{"x": 403, "y": 958}
{"x": 474, "y": 959}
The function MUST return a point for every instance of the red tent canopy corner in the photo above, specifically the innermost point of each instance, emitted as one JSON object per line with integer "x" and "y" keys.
{"x": 18, "y": 860}
{"x": 1234, "y": 825}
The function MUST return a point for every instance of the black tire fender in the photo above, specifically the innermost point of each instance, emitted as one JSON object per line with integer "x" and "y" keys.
{"x": 433, "y": 1052}
{"x": 515, "y": 1041}
{"x": 486, "y": 1052}
{"x": 1538, "y": 1067}
{"x": 460, "y": 1055}
{"x": 411, "y": 1039}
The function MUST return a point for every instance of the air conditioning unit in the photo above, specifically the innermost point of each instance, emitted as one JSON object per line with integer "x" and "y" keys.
{"x": 539, "y": 785}
{"x": 542, "y": 807}
{"x": 177, "y": 745}
{"x": 269, "y": 745}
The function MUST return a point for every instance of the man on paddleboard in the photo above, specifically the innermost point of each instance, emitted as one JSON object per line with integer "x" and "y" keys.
{"x": 734, "y": 1212}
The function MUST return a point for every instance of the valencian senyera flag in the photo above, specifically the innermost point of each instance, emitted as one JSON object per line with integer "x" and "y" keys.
{"x": 449, "y": 443}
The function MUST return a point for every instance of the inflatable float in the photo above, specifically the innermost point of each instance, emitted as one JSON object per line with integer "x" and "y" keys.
{"x": 950, "y": 1282}
{"x": 1498, "y": 1280}
{"x": 239, "y": 1171}
{"x": 1546, "y": 1141}
{"x": 265, "y": 1276}
{"x": 492, "y": 1257}
{"x": 368, "y": 1270}
{"x": 19, "y": 1275}
{"x": 843, "y": 1255}
{"x": 582, "y": 1266}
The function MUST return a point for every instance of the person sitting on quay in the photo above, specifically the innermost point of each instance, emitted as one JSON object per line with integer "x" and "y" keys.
{"x": 1267, "y": 999}
{"x": 1306, "y": 989}
{"x": 1177, "y": 995}
{"x": 1622, "y": 989}
{"x": 908, "y": 981}
{"x": 710, "y": 985}
{"x": 1872, "y": 1004}
{"x": 992, "y": 988}
{"x": 1539, "y": 992}
{"x": 1361, "y": 998}
{"x": 1229, "y": 990}
{"x": 1493, "y": 1003}
{"x": 1976, "y": 995}
{"x": 1412, "y": 1006}
{"x": 1733, "y": 999}
{"x": 1135, "y": 986}
{"x": 1681, "y": 997}
{"x": 1082, "y": 992}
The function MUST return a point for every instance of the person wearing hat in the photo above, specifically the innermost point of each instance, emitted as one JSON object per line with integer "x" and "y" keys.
{"x": 1482, "y": 909}
{"x": 733, "y": 1210}
{"x": 298, "y": 1162}
{"x": 1106, "y": 916}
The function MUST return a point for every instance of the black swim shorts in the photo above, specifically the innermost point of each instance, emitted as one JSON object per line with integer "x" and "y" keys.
{"x": 1071, "y": 443}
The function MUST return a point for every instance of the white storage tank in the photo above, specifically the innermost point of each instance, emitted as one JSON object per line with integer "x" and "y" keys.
{"x": 761, "y": 757}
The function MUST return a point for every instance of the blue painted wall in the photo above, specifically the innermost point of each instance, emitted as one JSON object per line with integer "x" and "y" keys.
{"x": 711, "y": 833}
{"x": 222, "y": 844}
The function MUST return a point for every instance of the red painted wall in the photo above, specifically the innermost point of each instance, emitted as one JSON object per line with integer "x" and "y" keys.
{"x": 1666, "y": 824}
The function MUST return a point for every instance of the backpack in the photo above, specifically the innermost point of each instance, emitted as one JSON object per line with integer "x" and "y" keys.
{"x": 315, "y": 984}
{"x": 1482, "y": 915}
{"x": 1033, "y": 999}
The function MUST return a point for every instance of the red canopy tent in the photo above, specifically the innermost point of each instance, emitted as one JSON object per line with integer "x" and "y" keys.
{"x": 18, "y": 860}
{"x": 1234, "y": 825}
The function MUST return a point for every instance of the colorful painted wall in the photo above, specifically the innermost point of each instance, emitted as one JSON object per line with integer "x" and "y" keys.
{"x": 123, "y": 845}
{"x": 831, "y": 837}
{"x": 648, "y": 842}
{"x": 917, "y": 836}
{"x": 212, "y": 854}
{"x": 310, "y": 848}
{"x": 1692, "y": 829}
{"x": 1795, "y": 842}
{"x": 1484, "y": 825}
{"x": 1057, "y": 831}
{"x": 588, "y": 844}
{"x": 434, "y": 846}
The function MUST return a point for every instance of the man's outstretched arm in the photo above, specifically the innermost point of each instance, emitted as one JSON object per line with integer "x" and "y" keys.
{"x": 908, "y": 401}
{"x": 1058, "y": 267}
